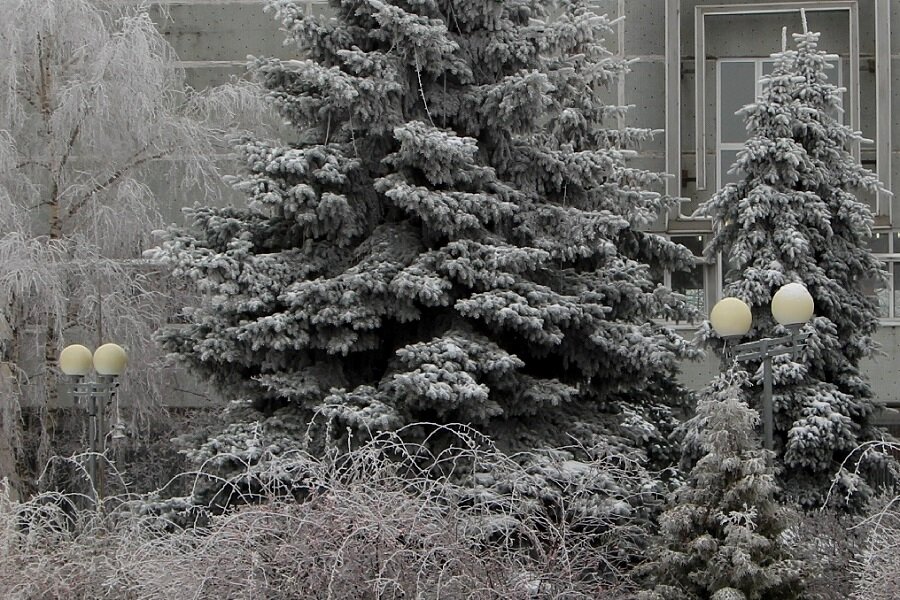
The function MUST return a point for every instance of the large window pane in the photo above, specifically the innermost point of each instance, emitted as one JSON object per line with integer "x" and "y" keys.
{"x": 834, "y": 71}
{"x": 726, "y": 159}
{"x": 737, "y": 88}
{"x": 878, "y": 243}
{"x": 690, "y": 283}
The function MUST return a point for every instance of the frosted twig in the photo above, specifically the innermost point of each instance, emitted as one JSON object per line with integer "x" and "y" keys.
{"x": 421, "y": 87}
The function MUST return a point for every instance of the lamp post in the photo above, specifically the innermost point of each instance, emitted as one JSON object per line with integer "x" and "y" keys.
{"x": 792, "y": 306}
{"x": 108, "y": 361}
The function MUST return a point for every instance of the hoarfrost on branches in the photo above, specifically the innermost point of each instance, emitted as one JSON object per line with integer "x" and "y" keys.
{"x": 92, "y": 103}
{"x": 796, "y": 215}
{"x": 458, "y": 235}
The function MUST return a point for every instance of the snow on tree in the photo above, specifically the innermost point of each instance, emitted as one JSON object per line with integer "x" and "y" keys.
{"x": 720, "y": 537}
{"x": 91, "y": 99}
{"x": 457, "y": 236}
{"x": 796, "y": 216}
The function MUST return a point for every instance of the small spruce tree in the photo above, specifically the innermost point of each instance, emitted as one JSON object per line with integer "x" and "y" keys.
{"x": 720, "y": 536}
{"x": 457, "y": 236}
{"x": 795, "y": 216}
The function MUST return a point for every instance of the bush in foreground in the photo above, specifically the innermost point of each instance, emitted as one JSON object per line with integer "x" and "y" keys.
{"x": 876, "y": 569}
{"x": 367, "y": 527}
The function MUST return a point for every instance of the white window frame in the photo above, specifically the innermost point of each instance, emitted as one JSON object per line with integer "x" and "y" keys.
{"x": 736, "y": 10}
{"x": 673, "y": 58}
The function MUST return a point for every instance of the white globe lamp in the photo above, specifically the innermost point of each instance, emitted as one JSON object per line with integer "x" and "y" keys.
{"x": 75, "y": 360}
{"x": 110, "y": 359}
{"x": 792, "y": 304}
{"x": 731, "y": 317}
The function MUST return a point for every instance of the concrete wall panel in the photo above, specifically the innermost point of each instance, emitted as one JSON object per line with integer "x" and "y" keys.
{"x": 171, "y": 198}
{"x": 221, "y": 31}
{"x": 202, "y": 76}
{"x": 645, "y": 22}
{"x": 645, "y": 90}
{"x": 895, "y": 93}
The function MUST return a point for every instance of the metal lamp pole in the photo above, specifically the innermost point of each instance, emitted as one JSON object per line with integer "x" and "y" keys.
{"x": 792, "y": 306}
{"x": 109, "y": 361}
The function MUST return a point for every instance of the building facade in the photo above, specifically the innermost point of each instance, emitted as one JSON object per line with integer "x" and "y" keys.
{"x": 690, "y": 100}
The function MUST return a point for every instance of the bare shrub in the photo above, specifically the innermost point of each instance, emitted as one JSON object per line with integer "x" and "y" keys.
{"x": 834, "y": 546}
{"x": 50, "y": 549}
{"x": 387, "y": 521}
{"x": 877, "y": 569}
{"x": 855, "y": 556}
{"x": 827, "y": 542}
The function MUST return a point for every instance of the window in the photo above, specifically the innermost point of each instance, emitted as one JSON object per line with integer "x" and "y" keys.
{"x": 886, "y": 246}
{"x": 695, "y": 283}
{"x": 691, "y": 283}
{"x": 738, "y": 85}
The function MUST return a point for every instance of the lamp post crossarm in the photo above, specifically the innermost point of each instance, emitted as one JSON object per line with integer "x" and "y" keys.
{"x": 769, "y": 347}
{"x": 81, "y": 388}
{"x": 105, "y": 387}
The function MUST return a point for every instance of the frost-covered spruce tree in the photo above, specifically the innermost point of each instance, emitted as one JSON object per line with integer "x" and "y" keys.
{"x": 456, "y": 236}
{"x": 720, "y": 536}
{"x": 795, "y": 216}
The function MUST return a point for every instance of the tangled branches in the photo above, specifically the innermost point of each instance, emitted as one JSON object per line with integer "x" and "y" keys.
{"x": 386, "y": 521}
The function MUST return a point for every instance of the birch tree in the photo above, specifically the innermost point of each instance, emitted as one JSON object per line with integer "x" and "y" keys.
{"x": 92, "y": 100}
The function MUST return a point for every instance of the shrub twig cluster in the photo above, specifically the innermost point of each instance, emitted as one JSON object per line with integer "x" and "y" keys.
{"x": 388, "y": 521}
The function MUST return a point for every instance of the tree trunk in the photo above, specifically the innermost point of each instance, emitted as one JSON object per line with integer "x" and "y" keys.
{"x": 9, "y": 431}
